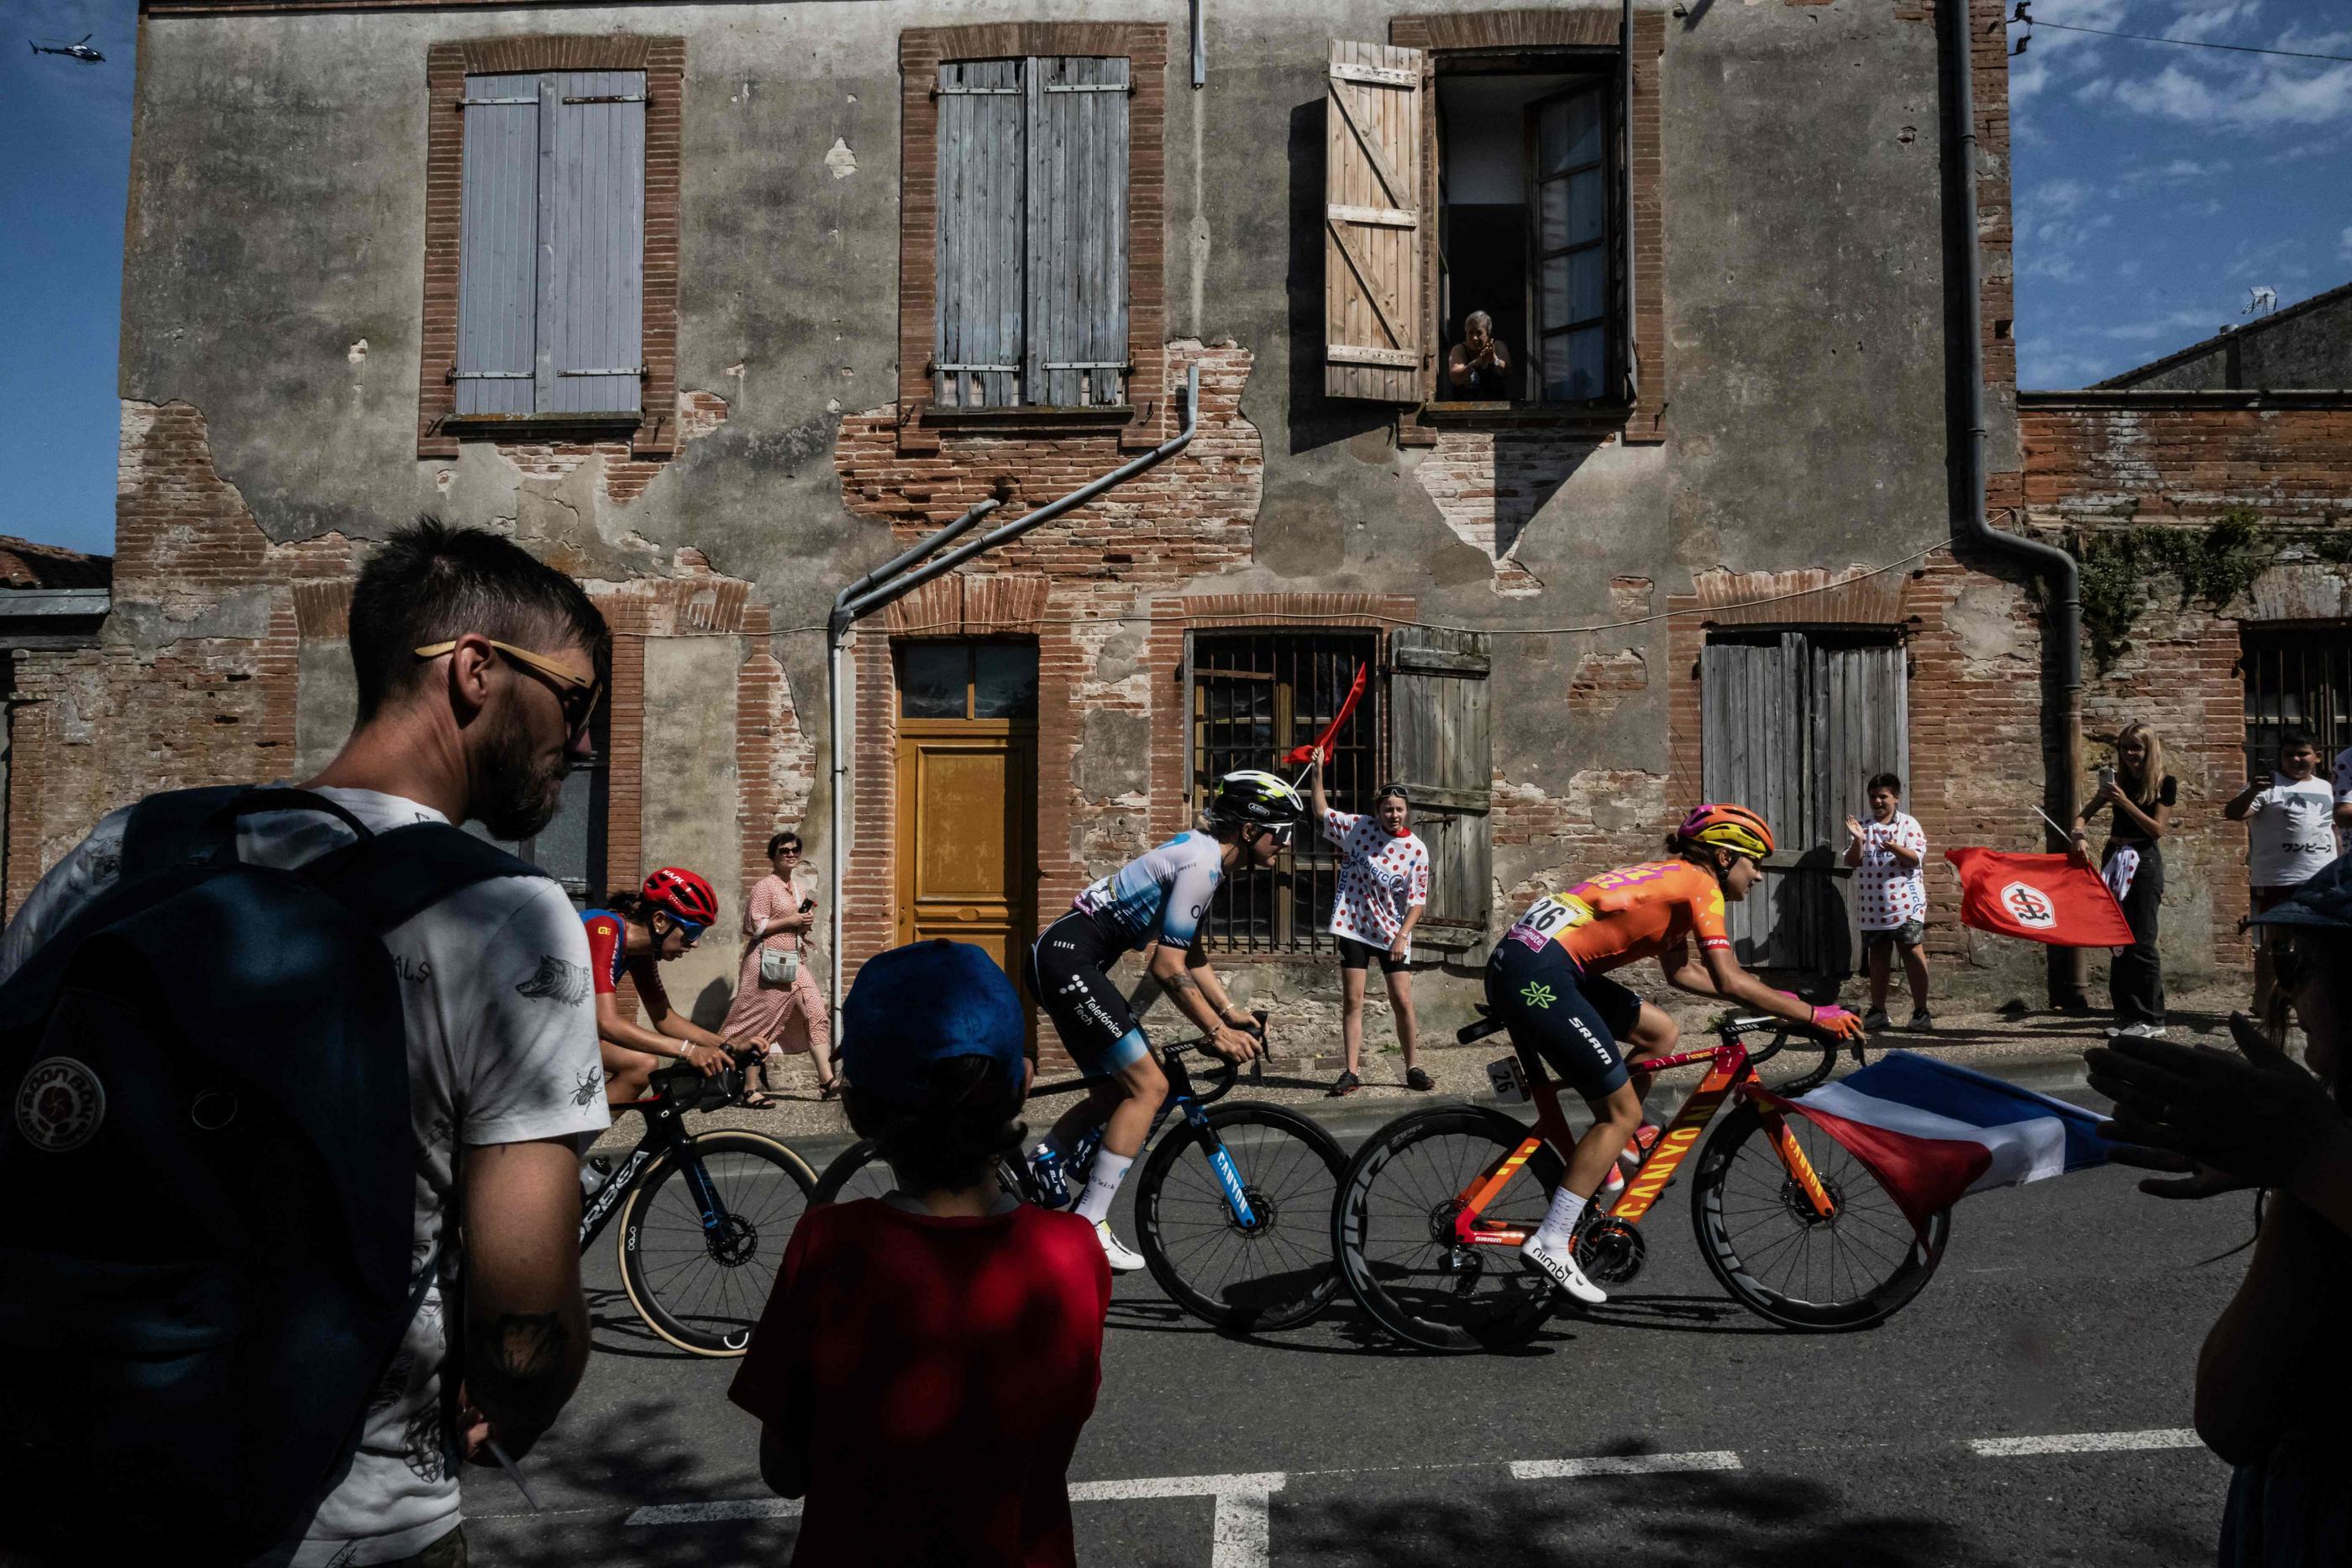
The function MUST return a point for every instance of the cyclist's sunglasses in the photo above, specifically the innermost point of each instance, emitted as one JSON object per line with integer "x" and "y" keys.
{"x": 578, "y": 695}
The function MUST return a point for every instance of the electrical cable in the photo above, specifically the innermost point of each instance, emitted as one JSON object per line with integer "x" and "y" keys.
{"x": 2033, "y": 22}
{"x": 1359, "y": 618}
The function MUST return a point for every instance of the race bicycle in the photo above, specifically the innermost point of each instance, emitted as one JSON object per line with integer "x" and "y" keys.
{"x": 1434, "y": 1208}
{"x": 1232, "y": 1210}
{"x": 704, "y": 1216}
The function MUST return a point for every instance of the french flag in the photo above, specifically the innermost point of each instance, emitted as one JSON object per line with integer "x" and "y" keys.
{"x": 1933, "y": 1132}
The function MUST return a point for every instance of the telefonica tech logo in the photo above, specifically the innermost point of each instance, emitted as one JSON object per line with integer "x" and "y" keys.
{"x": 2028, "y": 905}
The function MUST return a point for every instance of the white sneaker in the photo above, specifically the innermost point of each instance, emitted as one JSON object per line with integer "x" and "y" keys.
{"x": 1115, "y": 1251}
{"x": 2138, "y": 1031}
{"x": 1560, "y": 1269}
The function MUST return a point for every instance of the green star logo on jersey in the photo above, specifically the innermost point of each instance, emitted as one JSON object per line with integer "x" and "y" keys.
{"x": 1536, "y": 995}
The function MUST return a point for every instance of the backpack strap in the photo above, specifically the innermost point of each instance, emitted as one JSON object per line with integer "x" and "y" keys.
{"x": 184, "y": 824}
{"x": 395, "y": 876}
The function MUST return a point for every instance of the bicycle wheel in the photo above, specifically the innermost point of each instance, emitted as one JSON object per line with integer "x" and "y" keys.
{"x": 1393, "y": 1230}
{"x": 1778, "y": 1257}
{"x": 702, "y": 1288}
{"x": 1275, "y": 1272}
{"x": 854, "y": 1173}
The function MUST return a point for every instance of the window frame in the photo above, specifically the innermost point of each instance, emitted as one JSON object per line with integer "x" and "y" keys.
{"x": 652, "y": 431}
{"x": 1542, "y": 41}
{"x": 598, "y": 766}
{"x": 1142, "y": 419}
{"x": 1308, "y": 855}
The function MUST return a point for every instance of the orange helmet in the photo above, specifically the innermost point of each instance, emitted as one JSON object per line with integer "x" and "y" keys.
{"x": 682, "y": 894}
{"x": 1736, "y": 828}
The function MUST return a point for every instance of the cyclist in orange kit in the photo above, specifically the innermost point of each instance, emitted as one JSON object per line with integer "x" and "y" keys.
{"x": 1546, "y": 983}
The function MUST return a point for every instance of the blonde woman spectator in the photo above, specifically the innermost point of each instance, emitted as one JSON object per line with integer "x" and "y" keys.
{"x": 2138, "y": 796}
{"x": 1383, "y": 887}
{"x": 777, "y": 1001}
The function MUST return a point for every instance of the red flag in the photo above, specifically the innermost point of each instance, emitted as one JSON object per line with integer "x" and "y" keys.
{"x": 1299, "y": 754}
{"x": 2057, "y": 900}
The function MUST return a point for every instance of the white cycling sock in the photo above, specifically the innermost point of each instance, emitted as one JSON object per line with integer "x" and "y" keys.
{"x": 1102, "y": 1186}
{"x": 1558, "y": 1227}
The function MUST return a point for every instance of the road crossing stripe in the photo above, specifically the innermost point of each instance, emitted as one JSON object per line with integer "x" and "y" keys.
{"x": 2084, "y": 1443}
{"x": 1260, "y": 1482}
{"x": 1623, "y": 1464}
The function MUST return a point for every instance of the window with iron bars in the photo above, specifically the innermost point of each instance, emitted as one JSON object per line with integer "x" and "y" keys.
{"x": 1255, "y": 695}
{"x": 2297, "y": 678}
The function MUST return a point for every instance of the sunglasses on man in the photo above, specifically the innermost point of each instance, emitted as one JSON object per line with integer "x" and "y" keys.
{"x": 577, "y": 694}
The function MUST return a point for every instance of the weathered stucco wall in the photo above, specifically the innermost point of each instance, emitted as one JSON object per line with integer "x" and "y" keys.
{"x": 690, "y": 794}
{"x": 273, "y": 287}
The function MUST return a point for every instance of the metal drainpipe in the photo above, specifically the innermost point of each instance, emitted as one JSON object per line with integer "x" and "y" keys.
{"x": 894, "y": 580}
{"x": 2062, "y": 641}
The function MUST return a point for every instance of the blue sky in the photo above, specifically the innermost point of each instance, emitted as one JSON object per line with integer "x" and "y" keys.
{"x": 2155, "y": 187}
{"x": 2158, "y": 187}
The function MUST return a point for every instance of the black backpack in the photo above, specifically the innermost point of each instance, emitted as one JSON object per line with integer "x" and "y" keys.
{"x": 209, "y": 1259}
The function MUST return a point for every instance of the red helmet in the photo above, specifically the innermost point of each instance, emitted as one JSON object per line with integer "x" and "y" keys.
{"x": 682, "y": 894}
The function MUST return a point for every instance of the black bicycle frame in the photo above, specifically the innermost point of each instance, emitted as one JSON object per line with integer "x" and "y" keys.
{"x": 664, "y": 1135}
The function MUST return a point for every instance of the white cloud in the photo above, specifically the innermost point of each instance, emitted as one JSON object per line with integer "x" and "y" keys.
{"x": 2096, "y": 90}
{"x": 2250, "y": 96}
{"x": 2205, "y": 22}
{"x": 2187, "y": 326}
{"x": 2054, "y": 198}
{"x": 2179, "y": 171}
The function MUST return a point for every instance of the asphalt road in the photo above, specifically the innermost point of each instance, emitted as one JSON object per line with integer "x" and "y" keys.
{"x": 2070, "y": 1310}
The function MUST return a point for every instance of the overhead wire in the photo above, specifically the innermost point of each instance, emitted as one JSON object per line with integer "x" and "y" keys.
{"x": 2029, "y": 22}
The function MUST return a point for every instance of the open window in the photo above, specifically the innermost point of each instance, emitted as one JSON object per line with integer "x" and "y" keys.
{"x": 1478, "y": 196}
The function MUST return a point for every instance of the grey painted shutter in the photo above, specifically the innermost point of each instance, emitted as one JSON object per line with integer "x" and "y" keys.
{"x": 1078, "y": 133}
{"x": 592, "y": 205}
{"x": 497, "y": 248}
{"x": 1792, "y": 730}
{"x": 981, "y": 289}
{"x": 1440, "y": 750}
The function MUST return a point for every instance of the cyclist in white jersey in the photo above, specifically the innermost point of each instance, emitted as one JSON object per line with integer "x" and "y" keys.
{"x": 1157, "y": 900}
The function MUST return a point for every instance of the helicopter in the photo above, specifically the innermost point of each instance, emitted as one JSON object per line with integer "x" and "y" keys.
{"x": 79, "y": 50}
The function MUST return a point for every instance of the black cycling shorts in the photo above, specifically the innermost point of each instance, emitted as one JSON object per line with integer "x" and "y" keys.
{"x": 1573, "y": 1021}
{"x": 1355, "y": 954}
{"x": 1067, "y": 974}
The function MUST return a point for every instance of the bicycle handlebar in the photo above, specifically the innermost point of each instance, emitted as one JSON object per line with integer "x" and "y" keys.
{"x": 1224, "y": 1073}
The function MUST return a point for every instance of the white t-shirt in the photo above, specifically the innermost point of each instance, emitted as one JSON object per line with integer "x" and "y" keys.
{"x": 1887, "y": 892}
{"x": 501, "y": 1050}
{"x": 1381, "y": 877}
{"x": 2290, "y": 833}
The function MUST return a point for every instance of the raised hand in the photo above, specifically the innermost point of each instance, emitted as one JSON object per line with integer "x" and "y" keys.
{"x": 2258, "y": 1118}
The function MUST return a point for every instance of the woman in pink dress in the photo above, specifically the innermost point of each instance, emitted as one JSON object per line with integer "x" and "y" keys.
{"x": 784, "y": 1014}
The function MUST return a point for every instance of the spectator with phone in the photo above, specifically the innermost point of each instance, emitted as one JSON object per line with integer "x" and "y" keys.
{"x": 777, "y": 1003}
{"x": 2290, "y": 839}
{"x": 1891, "y": 895}
{"x": 2138, "y": 796}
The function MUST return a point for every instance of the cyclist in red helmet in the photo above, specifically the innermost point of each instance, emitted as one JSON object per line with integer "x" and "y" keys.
{"x": 1548, "y": 983}
{"x": 634, "y": 934}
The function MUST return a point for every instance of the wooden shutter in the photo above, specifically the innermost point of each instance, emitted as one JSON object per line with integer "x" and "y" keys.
{"x": 1077, "y": 347}
{"x": 498, "y": 248}
{"x": 1440, "y": 750}
{"x": 1373, "y": 222}
{"x": 592, "y": 215}
{"x": 1794, "y": 729}
{"x": 981, "y": 290}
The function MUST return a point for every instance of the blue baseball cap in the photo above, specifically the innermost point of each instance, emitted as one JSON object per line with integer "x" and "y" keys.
{"x": 2324, "y": 902}
{"x": 917, "y": 1005}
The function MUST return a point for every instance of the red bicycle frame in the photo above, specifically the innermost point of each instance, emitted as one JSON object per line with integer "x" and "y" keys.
{"x": 1729, "y": 1072}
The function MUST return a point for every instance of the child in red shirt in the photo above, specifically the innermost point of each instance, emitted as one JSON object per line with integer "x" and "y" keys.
{"x": 925, "y": 1365}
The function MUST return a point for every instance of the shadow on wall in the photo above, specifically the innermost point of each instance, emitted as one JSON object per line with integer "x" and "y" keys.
{"x": 1314, "y": 420}
{"x": 1530, "y": 465}
{"x": 709, "y": 1010}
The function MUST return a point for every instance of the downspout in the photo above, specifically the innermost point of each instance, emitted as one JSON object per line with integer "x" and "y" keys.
{"x": 900, "y": 577}
{"x": 2063, "y": 636}
{"x": 1625, "y": 238}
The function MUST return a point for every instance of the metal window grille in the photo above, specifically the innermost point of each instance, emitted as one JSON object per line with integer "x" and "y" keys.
{"x": 1254, "y": 696}
{"x": 2297, "y": 678}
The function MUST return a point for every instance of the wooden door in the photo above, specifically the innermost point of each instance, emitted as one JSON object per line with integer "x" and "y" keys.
{"x": 1795, "y": 723}
{"x": 967, "y": 796}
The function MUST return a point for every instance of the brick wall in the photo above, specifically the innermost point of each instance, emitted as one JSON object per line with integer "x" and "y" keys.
{"x": 2095, "y": 458}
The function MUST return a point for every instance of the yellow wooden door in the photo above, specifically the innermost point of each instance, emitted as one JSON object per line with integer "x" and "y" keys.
{"x": 966, "y": 818}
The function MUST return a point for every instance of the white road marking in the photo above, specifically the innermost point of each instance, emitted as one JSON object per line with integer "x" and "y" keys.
{"x": 1623, "y": 1464}
{"x": 1241, "y": 1536}
{"x": 2084, "y": 1443}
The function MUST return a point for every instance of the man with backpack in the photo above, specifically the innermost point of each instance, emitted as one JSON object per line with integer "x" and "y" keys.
{"x": 297, "y": 1079}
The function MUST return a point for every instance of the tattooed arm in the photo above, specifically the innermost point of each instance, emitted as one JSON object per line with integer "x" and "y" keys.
{"x": 526, "y": 1340}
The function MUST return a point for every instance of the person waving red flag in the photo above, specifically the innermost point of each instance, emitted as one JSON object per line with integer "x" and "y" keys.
{"x": 2057, "y": 900}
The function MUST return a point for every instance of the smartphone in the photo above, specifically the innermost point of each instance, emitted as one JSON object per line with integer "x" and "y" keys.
{"x": 807, "y": 904}
{"x": 2107, "y": 778}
